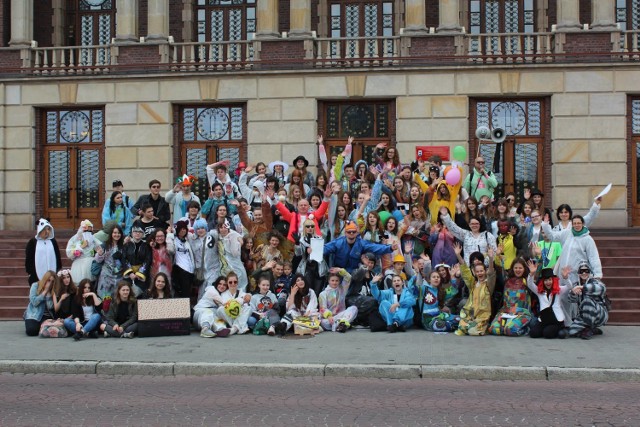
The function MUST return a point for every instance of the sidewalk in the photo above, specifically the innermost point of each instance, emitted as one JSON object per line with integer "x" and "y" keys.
{"x": 614, "y": 356}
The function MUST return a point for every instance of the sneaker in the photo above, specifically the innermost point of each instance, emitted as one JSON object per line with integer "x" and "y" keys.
{"x": 459, "y": 333}
{"x": 272, "y": 331}
{"x": 597, "y": 331}
{"x": 281, "y": 328}
{"x": 401, "y": 328}
{"x": 93, "y": 334}
{"x": 393, "y": 328}
{"x": 106, "y": 334}
{"x": 342, "y": 328}
{"x": 127, "y": 335}
{"x": 223, "y": 333}
{"x": 77, "y": 336}
{"x": 207, "y": 333}
{"x": 234, "y": 330}
{"x": 586, "y": 334}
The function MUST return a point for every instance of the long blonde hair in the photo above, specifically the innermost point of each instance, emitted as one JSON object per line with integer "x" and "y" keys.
{"x": 42, "y": 282}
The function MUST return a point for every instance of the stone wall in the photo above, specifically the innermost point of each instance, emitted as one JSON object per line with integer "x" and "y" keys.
{"x": 588, "y": 122}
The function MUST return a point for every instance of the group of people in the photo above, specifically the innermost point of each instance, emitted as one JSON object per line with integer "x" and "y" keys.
{"x": 386, "y": 245}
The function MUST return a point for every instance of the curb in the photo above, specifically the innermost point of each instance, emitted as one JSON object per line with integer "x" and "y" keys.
{"x": 451, "y": 372}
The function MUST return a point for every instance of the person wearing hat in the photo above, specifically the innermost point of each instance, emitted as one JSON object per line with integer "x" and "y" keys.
{"x": 180, "y": 196}
{"x": 81, "y": 249}
{"x": 397, "y": 269}
{"x": 550, "y": 294}
{"x": 137, "y": 257}
{"x": 589, "y": 296}
{"x": 536, "y": 197}
{"x": 301, "y": 164}
{"x": 347, "y": 250}
{"x": 278, "y": 170}
{"x": 251, "y": 192}
{"x": 42, "y": 253}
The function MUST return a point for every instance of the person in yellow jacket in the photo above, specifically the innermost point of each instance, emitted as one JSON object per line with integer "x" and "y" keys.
{"x": 439, "y": 194}
{"x": 476, "y": 313}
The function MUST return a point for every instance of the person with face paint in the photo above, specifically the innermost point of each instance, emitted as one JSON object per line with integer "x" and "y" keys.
{"x": 550, "y": 294}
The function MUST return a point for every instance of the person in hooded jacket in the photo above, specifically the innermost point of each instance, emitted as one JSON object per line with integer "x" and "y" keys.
{"x": 81, "y": 248}
{"x": 42, "y": 253}
{"x": 137, "y": 258}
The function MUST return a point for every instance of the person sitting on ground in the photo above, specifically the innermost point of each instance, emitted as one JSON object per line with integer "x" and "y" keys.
{"x": 160, "y": 288}
{"x": 476, "y": 313}
{"x": 302, "y": 301}
{"x": 204, "y": 311}
{"x": 122, "y": 318}
{"x": 590, "y": 296}
{"x": 431, "y": 297}
{"x": 64, "y": 293}
{"x": 395, "y": 304}
{"x": 264, "y": 307}
{"x": 514, "y": 316}
{"x": 235, "y": 310}
{"x": 335, "y": 315}
{"x": 85, "y": 320}
{"x": 40, "y": 306}
{"x": 550, "y": 322}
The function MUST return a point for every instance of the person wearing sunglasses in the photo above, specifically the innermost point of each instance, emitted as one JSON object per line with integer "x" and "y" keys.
{"x": 589, "y": 298}
{"x": 480, "y": 182}
{"x": 158, "y": 203}
{"x": 347, "y": 250}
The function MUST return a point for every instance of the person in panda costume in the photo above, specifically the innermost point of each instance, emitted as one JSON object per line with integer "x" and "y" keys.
{"x": 42, "y": 253}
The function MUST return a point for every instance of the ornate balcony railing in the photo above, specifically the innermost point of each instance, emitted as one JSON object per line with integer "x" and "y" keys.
{"x": 356, "y": 51}
{"x": 495, "y": 48}
{"x": 630, "y": 45}
{"x": 430, "y": 49}
{"x": 210, "y": 56}
{"x": 72, "y": 60}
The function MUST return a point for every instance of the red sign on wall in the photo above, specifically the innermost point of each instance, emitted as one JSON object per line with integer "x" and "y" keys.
{"x": 423, "y": 152}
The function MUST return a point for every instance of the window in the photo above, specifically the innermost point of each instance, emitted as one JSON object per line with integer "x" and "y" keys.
{"x": 90, "y": 23}
{"x": 73, "y": 142}
{"x": 369, "y": 124}
{"x": 500, "y": 17}
{"x": 628, "y": 14}
{"x": 226, "y": 21}
{"x": 209, "y": 134}
{"x": 517, "y": 162}
{"x": 361, "y": 19}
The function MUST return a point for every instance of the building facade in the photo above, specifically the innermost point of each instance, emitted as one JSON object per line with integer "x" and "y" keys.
{"x": 97, "y": 90}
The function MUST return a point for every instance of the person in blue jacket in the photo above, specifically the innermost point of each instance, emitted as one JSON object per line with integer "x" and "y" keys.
{"x": 347, "y": 250}
{"x": 395, "y": 304}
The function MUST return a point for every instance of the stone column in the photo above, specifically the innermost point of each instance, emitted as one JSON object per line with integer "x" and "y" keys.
{"x": 415, "y": 17}
{"x": 127, "y": 21}
{"x": 57, "y": 22}
{"x": 158, "y": 20}
{"x": 188, "y": 16}
{"x": 568, "y": 15}
{"x": 267, "y": 16}
{"x": 300, "y": 17}
{"x": 449, "y": 16}
{"x": 21, "y": 23}
{"x": 603, "y": 15}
